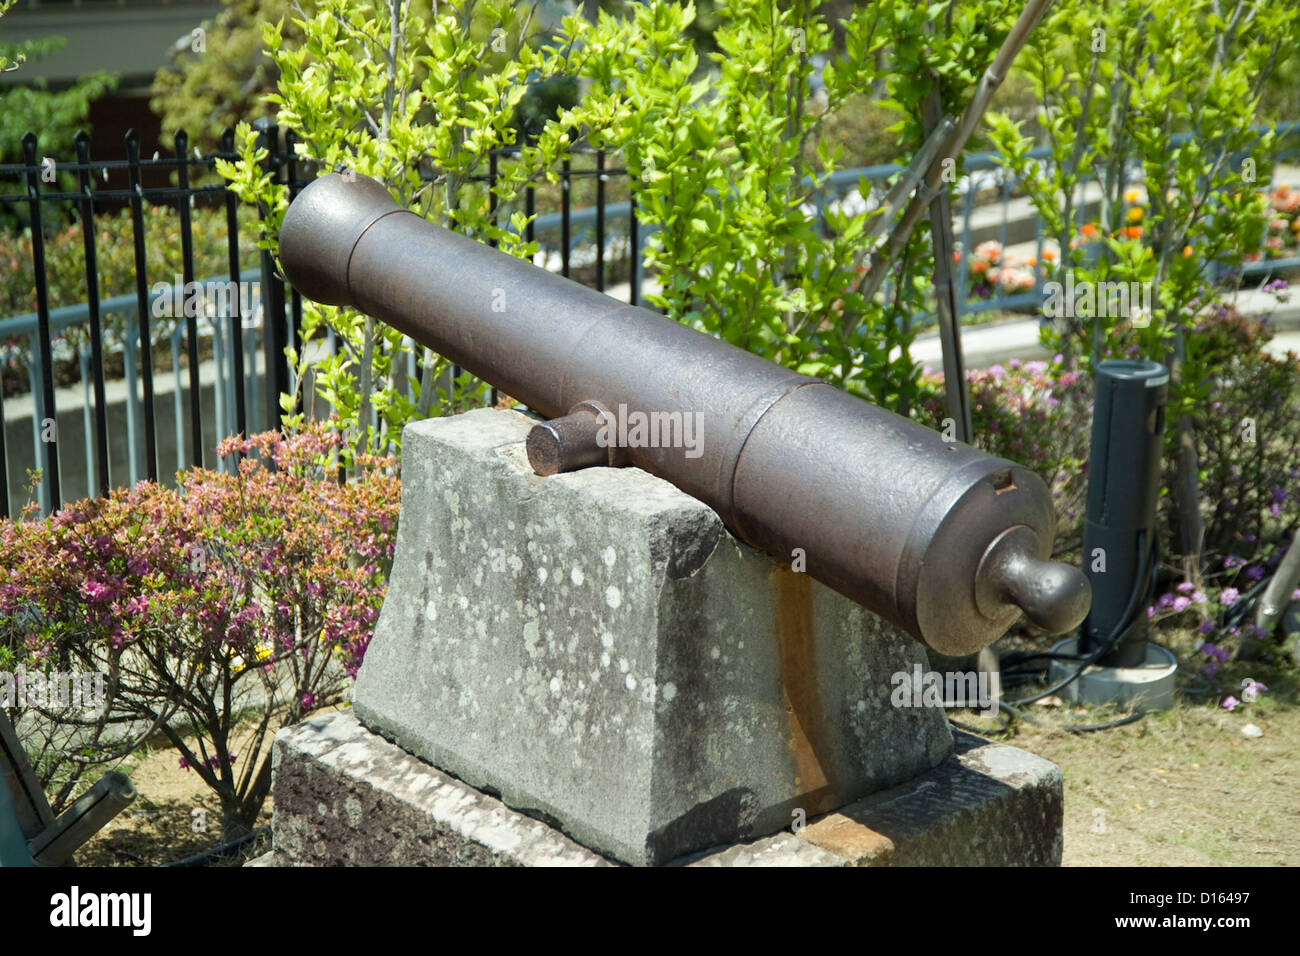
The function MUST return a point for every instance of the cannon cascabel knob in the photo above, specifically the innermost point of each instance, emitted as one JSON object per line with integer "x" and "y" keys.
{"x": 1054, "y": 596}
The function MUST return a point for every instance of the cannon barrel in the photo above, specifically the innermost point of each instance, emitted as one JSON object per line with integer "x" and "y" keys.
{"x": 947, "y": 542}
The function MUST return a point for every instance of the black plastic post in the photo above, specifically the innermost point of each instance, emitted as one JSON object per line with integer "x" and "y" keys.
{"x": 1119, "y": 537}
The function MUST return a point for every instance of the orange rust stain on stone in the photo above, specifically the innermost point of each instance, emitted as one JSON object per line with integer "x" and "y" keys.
{"x": 799, "y": 691}
{"x": 856, "y": 842}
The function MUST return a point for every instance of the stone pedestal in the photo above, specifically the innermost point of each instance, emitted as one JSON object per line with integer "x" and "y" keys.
{"x": 597, "y": 650}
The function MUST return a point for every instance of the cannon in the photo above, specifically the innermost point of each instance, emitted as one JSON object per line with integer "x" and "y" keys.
{"x": 945, "y": 541}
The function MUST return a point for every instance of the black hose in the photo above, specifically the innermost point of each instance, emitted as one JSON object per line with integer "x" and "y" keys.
{"x": 1145, "y": 583}
{"x": 221, "y": 850}
{"x": 1145, "y": 570}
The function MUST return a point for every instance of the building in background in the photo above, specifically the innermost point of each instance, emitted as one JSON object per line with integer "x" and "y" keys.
{"x": 130, "y": 38}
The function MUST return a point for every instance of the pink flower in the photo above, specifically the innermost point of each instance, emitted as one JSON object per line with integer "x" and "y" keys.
{"x": 1250, "y": 689}
{"x": 97, "y": 591}
{"x": 1230, "y": 703}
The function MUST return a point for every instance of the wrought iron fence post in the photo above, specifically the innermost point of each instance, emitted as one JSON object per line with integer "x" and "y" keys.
{"x": 142, "y": 307}
{"x": 190, "y": 307}
{"x": 51, "y": 497}
{"x": 82, "y": 143}
{"x": 276, "y": 330}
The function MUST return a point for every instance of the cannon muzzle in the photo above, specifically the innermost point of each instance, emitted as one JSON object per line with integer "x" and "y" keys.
{"x": 945, "y": 541}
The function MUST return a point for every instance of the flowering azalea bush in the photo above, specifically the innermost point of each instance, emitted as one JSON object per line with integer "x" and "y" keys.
{"x": 255, "y": 592}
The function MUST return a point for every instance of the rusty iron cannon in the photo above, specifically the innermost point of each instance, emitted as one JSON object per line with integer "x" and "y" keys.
{"x": 947, "y": 542}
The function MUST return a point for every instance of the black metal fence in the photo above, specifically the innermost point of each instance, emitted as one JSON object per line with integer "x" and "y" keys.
{"x": 101, "y": 185}
{"x": 120, "y": 427}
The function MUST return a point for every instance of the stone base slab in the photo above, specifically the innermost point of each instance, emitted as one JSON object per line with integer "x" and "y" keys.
{"x": 344, "y": 796}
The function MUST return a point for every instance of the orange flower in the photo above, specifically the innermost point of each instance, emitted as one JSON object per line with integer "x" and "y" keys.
{"x": 1049, "y": 255}
{"x": 1132, "y": 232}
{"x": 1089, "y": 230}
{"x": 1187, "y": 250}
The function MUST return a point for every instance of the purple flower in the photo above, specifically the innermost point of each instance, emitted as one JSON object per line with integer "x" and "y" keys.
{"x": 1250, "y": 689}
{"x": 1211, "y": 669}
{"x": 308, "y": 701}
{"x": 1187, "y": 587}
{"x": 1181, "y": 604}
{"x": 1232, "y": 561}
{"x": 1214, "y": 651}
{"x": 1205, "y": 628}
{"x": 1255, "y": 573}
{"x": 1228, "y": 597}
{"x": 1230, "y": 703}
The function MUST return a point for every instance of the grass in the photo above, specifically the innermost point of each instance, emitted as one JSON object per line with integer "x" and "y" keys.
{"x": 1182, "y": 787}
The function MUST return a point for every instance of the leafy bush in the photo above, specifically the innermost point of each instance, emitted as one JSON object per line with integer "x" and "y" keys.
{"x": 728, "y": 161}
{"x": 1248, "y": 440}
{"x": 269, "y": 580}
{"x": 419, "y": 103}
{"x": 1174, "y": 86}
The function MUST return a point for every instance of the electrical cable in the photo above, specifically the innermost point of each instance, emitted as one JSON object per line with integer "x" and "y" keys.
{"x": 222, "y": 850}
{"x": 1127, "y": 620}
